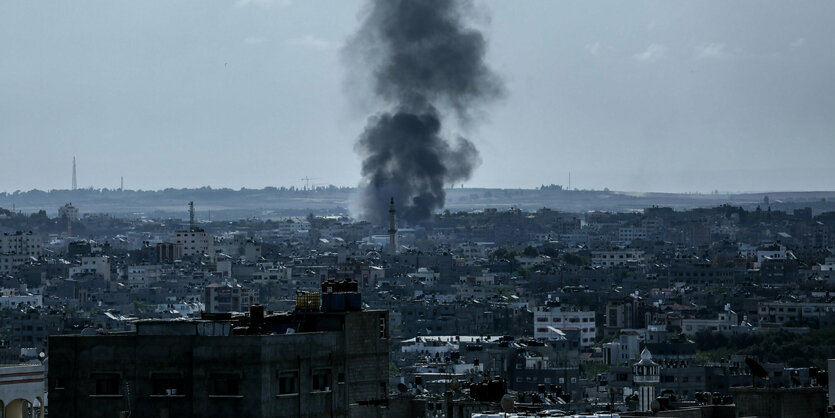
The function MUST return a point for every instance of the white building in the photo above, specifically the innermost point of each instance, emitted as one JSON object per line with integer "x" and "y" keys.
{"x": 425, "y": 276}
{"x": 773, "y": 252}
{"x": 614, "y": 258}
{"x": 95, "y": 265}
{"x": 68, "y": 211}
{"x": 563, "y": 318}
{"x": 144, "y": 274}
{"x": 627, "y": 234}
{"x": 195, "y": 242}
{"x": 20, "y": 243}
{"x": 725, "y": 323}
{"x": 273, "y": 274}
{"x": 622, "y": 351}
{"x": 12, "y": 298}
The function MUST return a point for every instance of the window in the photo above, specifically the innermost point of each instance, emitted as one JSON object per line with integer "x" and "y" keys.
{"x": 383, "y": 329}
{"x": 288, "y": 382}
{"x": 106, "y": 383}
{"x": 321, "y": 380}
{"x": 224, "y": 384}
{"x": 167, "y": 384}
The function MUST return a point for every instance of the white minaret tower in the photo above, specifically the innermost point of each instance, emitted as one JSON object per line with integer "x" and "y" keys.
{"x": 646, "y": 376}
{"x": 392, "y": 229}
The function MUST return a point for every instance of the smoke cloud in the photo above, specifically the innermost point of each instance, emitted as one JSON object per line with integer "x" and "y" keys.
{"x": 421, "y": 56}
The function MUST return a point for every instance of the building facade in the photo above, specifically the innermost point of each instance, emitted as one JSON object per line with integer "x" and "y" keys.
{"x": 301, "y": 364}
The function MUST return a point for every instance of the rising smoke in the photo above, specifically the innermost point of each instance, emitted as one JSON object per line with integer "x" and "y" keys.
{"x": 422, "y": 57}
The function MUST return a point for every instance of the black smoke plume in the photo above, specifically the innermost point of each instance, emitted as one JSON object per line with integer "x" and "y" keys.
{"x": 422, "y": 57}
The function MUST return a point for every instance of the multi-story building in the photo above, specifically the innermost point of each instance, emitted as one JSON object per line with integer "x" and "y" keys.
{"x": 724, "y": 323}
{"x": 69, "y": 212}
{"x": 9, "y": 262}
{"x": 303, "y": 363}
{"x": 627, "y": 234}
{"x": 96, "y": 265}
{"x": 818, "y": 314}
{"x": 195, "y": 242}
{"x": 24, "y": 244}
{"x": 614, "y": 258}
{"x": 168, "y": 252}
{"x": 144, "y": 274}
{"x": 228, "y": 297}
{"x": 628, "y": 312}
{"x": 562, "y": 317}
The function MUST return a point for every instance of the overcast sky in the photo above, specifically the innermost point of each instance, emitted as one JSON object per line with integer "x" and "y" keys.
{"x": 629, "y": 95}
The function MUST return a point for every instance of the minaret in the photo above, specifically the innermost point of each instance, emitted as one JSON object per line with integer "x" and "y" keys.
{"x": 646, "y": 376}
{"x": 74, "y": 183}
{"x": 191, "y": 216}
{"x": 392, "y": 229}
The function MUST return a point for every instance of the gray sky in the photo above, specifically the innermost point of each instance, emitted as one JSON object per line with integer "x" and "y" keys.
{"x": 639, "y": 96}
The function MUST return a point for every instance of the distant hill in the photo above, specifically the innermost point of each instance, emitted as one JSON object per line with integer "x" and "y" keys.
{"x": 277, "y": 202}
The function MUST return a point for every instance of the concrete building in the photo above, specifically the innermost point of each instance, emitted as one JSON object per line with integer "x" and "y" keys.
{"x": 12, "y": 298}
{"x": 724, "y": 323}
{"x": 20, "y": 243}
{"x": 195, "y": 242}
{"x": 616, "y": 257}
{"x": 10, "y": 262}
{"x": 622, "y": 351}
{"x": 228, "y": 297}
{"x": 819, "y": 314}
{"x": 143, "y": 275}
{"x": 559, "y": 317}
{"x": 69, "y": 212}
{"x": 303, "y": 363}
{"x": 96, "y": 265}
{"x": 780, "y": 402}
{"x": 22, "y": 391}
{"x": 168, "y": 252}
{"x": 628, "y": 234}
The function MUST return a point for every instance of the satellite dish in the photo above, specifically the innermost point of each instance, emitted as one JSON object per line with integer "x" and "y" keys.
{"x": 655, "y": 406}
{"x": 507, "y": 403}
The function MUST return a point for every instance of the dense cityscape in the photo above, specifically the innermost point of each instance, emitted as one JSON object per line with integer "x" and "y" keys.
{"x": 443, "y": 318}
{"x": 417, "y": 209}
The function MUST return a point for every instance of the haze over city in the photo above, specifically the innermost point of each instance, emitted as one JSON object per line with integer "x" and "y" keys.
{"x": 417, "y": 209}
{"x": 638, "y": 96}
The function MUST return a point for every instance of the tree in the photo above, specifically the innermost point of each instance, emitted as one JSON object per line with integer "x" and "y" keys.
{"x": 530, "y": 251}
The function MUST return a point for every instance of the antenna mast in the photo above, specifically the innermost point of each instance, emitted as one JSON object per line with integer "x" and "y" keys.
{"x": 74, "y": 183}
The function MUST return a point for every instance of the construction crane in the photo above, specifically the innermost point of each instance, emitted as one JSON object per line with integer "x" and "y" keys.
{"x": 306, "y": 181}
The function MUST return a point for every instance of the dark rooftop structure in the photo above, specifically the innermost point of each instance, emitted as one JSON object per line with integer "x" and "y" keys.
{"x": 303, "y": 363}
